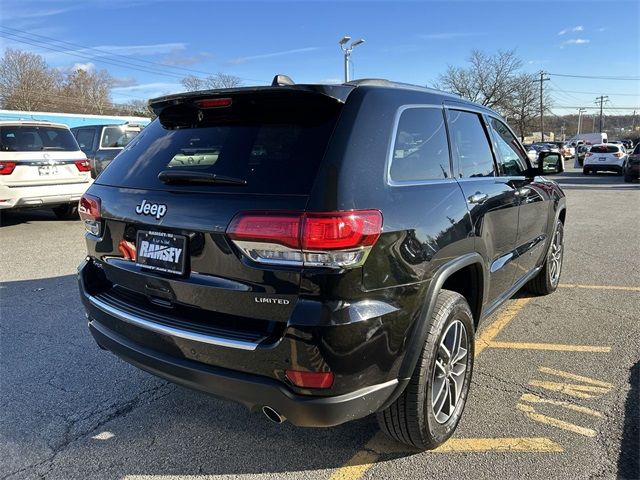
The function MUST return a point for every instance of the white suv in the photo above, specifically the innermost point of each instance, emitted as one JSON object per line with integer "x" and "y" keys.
{"x": 605, "y": 157}
{"x": 41, "y": 165}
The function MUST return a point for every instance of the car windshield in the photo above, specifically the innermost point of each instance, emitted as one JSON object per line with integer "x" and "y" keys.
{"x": 29, "y": 138}
{"x": 117, "y": 137}
{"x": 605, "y": 149}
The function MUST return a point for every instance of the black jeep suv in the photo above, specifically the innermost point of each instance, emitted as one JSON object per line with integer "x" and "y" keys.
{"x": 319, "y": 252}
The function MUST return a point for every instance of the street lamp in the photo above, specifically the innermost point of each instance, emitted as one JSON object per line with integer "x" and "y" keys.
{"x": 347, "y": 52}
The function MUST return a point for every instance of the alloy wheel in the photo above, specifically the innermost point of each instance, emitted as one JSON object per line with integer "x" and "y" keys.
{"x": 555, "y": 258}
{"x": 449, "y": 372}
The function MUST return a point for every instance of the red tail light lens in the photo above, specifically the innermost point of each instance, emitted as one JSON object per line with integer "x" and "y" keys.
{"x": 83, "y": 165}
{"x": 619, "y": 154}
{"x": 89, "y": 209}
{"x": 310, "y": 379}
{"x": 341, "y": 230}
{"x": 267, "y": 227}
{"x": 329, "y": 239}
{"x": 588, "y": 154}
{"x": 213, "y": 102}
{"x": 6, "y": 168}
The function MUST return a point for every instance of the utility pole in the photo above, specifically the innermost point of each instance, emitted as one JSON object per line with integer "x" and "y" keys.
{"x": 542, "y": 80}
{"x": 601, "y": 99}
{"x": 633, "y": 122}
{"x": 580, "y": 112}
{"x": 562, "y": 132}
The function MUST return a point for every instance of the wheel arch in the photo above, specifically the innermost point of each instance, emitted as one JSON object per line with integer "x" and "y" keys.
{"x": 449, "y": 275}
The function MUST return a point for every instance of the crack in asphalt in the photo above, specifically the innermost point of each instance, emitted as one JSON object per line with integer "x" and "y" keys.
{"x": 113, "y": 411}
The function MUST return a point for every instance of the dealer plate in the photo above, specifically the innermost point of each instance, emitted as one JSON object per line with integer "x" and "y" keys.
{"x": 161, "y": 251}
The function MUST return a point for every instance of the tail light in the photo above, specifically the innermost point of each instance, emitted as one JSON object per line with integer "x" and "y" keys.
{"x": 619, "y": 154}
{"x": 315, "y": 239}
{"x": 310, "y": 379}
{"x": 588, "y": 154}
{"x": 83, "y": 165}
{"x": 89, "y": 209}
{"x": 6, "y": 168}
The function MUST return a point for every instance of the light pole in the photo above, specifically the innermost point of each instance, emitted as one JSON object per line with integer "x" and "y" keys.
{"x": 347, "y": 52}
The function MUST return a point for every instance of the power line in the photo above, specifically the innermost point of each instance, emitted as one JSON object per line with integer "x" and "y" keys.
{"x": 592, "y": 77}
{"x": 155, "y": 68}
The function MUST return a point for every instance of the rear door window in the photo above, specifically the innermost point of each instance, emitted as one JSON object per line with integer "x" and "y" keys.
{"x": 470, "y": 145}
{"x": 117, "y": 137}
{"x": 275, "y": 144}
{"x": 85, "y": 136}
{"x": 421, "y": 150}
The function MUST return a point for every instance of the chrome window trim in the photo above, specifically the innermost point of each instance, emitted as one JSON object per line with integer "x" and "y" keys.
{"x": 394, "y": 133}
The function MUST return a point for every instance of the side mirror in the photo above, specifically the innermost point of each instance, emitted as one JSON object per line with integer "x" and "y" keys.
{"x": 550, "y": 162}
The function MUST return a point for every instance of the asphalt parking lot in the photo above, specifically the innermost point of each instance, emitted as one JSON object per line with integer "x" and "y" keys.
{"x": 556, "y": 387}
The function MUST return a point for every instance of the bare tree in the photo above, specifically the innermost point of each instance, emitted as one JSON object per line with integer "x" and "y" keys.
{"x": 85, "y": 91}
{"x": 138, "y": 108}
{"x": 26, "y": 81}
{"x": 488, "y": 80}
{"x": 219, "y": 80}
{"x": 524, "y": 104}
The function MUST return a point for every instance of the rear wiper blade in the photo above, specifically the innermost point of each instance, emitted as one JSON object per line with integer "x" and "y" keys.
{"x": 184, "y": 176}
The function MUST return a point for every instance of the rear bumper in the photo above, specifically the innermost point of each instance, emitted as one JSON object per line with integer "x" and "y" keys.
{"x": 25, "y": 196}
{"x": 603, "y": 167}
{"x": 252, "y": 391}
{"x": 245, "y": 372}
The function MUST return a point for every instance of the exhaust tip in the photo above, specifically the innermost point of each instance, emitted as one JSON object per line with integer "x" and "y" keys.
{"x": 272, "y": 415}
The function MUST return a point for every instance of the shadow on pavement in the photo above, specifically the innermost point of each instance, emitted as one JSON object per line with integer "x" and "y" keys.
{"x": 15, "y": 217}
{"x": 59, "y": 391}
{"x": 629, "y": 459}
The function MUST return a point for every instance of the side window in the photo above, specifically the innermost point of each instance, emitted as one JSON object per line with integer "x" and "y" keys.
{"x": 420, "y": 151}
{"x": 511, "y": 160}
{"x": 470, "y": 145}
{"x": 84, "y": 136}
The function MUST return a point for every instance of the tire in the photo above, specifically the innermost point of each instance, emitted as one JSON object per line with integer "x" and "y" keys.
{"x": 66, "y": 212}
{"x": 628, "y": 178}
{"x": 585, "y": 171}
{"x": 412, "y": 419}
{"x": 548, "y": 277}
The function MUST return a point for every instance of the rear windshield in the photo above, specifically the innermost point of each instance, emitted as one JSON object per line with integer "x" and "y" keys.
{"x": 605, "y": 149}
{"x": 117, "y": 137}
{"x": 23, "y": 138}
{"x": 274, "y": 144}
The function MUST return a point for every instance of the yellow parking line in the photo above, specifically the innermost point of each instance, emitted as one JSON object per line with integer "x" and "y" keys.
{"x": 530, "y": 412}
{"x": 484, "y": 339}
{"x": 558, "y": 347}
{"x": 515, "y": 444}
{"x": 364, "y": 459}
{"x": 571, "y": 389}
{"x": 573, "y": 376}
{"x": 600, "y": 287}
{"x": 531, "y": 398}
{"x": 356, "y": 466}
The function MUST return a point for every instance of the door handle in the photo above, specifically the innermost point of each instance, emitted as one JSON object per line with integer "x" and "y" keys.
{"x": 478, "y": 197}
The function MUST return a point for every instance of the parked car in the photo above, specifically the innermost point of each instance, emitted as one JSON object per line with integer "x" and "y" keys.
{"x": 632, "y": 166}
{"x": 628, "y": 144}
{"x": 303, "y": 267}
{"x": 101, "y": 143}
{"x": 582, "y": 151}
{"x": 41, "y": 165}
{"x": 532, "y": 154}
{"x": 605, "y": 157}
{"x": 565, "y": 149}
